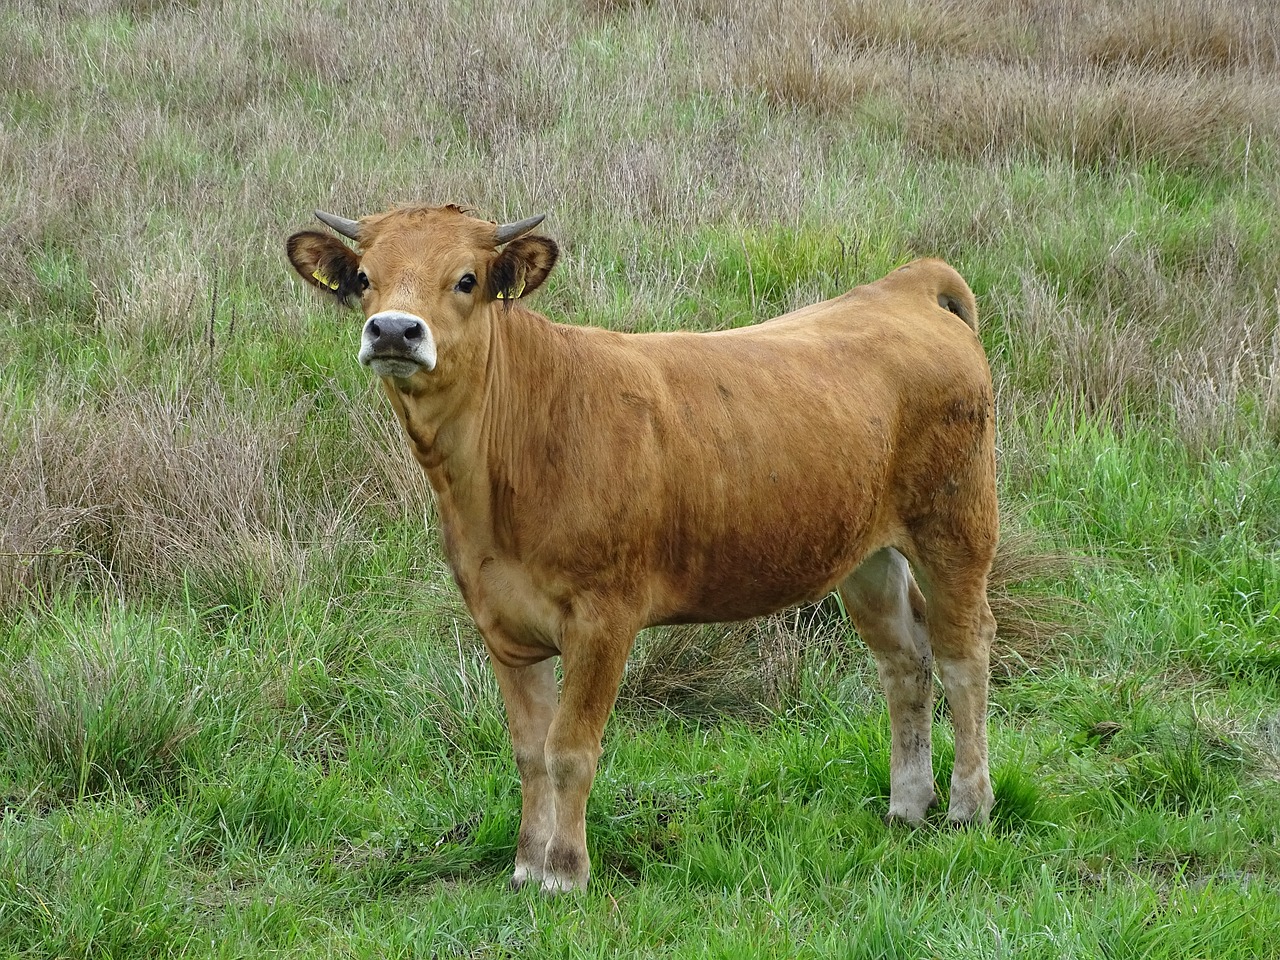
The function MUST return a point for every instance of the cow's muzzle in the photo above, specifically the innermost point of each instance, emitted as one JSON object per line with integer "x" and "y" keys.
{"x": 397, "y": 344}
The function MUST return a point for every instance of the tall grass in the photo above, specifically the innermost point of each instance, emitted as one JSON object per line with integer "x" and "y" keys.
{"x": 242, "y": 709}
{"x": 88, "y": 714}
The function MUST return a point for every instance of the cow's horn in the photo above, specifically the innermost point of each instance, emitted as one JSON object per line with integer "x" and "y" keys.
{"x": 509, "y": 231}
{"x": 348, "y": 228}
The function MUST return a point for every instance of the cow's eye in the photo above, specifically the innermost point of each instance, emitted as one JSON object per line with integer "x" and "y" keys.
{"x": 467, "y": 283}
{"x": 363, "y": 279}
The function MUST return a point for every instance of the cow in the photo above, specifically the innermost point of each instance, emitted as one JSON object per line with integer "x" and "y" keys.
{"x": 591, "y": 483}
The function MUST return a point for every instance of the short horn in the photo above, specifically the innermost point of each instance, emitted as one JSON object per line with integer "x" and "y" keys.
{"x": 348, "y": 228}
{"x": 509, "y": 231}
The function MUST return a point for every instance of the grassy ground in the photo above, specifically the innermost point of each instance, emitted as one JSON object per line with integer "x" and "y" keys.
{"x": 242, "y": 709}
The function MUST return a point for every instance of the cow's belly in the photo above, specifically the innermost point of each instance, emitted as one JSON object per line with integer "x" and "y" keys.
{"x": 762, "y": 569}
{"x": 523, "y": 618}
{"x": 740, "y": 602}
{"x": 736, "y": 545}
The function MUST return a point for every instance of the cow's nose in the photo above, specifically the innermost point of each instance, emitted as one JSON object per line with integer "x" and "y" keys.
{"x": 394, "y": 333}
{"x": 396, "y": 343}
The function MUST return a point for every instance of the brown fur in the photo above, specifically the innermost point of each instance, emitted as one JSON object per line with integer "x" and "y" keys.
{"x": 592, "y": 483}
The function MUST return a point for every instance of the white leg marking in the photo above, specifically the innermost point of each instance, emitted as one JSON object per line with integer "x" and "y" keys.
{"x": 965, "y": 683}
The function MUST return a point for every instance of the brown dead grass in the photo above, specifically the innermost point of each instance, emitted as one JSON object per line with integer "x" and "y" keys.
{"x": 1128, "y": 361}
{"x": 1095, "y": 84}
{"x": 1088, "y": 119}
{"x": 389, "y": 479}
{"x": 738, "y": 669}
{"x": 1190, "y": 34}
{"x": 151, "y": 492}
{"x": 1035, "y": 620}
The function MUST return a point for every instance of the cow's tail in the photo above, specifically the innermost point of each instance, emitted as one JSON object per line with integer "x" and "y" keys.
{"x": 939, "y": 281}
{"x": 954, "y": 295}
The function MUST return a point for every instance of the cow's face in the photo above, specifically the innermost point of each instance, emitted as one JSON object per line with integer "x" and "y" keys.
{"x": 427, "y": 280}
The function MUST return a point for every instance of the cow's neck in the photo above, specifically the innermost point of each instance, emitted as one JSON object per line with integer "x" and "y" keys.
{"x": 468, "y": 437}
{"x": 525, "y": 368}
{"x": 429, "y": 423}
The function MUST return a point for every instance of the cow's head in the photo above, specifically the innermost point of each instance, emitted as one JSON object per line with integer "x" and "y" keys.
{"x": 427, "y": 279}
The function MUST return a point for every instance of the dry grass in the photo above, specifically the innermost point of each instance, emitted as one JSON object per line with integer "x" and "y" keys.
{"x": 1089, "y": 119}
{"x": 1131, "y": 362}
{"x": 550, "y": 112}
{"x": 1092, "y": 84}
{"x": 1195, "y": 34}
{"x": 389, "y": 478}
{"x": 1035, "y": 620}
{"x": 1211, "y": 389}
{"x": 151, "y": 492}
{"x": 725, "y": 669}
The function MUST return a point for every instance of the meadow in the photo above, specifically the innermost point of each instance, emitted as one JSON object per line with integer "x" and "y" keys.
{"x": 243, "y": 711}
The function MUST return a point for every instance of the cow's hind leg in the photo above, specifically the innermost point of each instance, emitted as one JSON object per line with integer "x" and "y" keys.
{"x": 530, "y": 697}
{"x": 961, "y": 629}
{"x": 888, "y": 612}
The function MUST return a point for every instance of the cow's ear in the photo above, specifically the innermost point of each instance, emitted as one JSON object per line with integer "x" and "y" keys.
{"x": 327, "y": 263}
{"x": 521, "y": 267}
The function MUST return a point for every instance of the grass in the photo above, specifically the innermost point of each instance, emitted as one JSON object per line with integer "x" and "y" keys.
{"x": 242, "y": 708}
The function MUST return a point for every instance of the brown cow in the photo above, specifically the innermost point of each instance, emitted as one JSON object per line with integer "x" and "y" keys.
{"x": 592, "y": 483}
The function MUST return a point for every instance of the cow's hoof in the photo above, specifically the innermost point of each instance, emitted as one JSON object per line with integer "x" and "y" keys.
{"x": 911, "y": 814}
{"x": 524, "y": 874}
{"x": 566, "y": 870}
{"x": 975, "y": 808}
{"x": 553, "y": 886}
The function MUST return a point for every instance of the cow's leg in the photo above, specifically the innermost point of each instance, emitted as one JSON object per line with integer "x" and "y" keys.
{"x": 592, "y": 665}
{"x": 530, "y": 697}
{"x": 888, "y": 612}
{"x": 961, "y": 629}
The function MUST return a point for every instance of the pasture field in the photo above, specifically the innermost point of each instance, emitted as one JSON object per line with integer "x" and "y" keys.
{"x": 243, "y": 711}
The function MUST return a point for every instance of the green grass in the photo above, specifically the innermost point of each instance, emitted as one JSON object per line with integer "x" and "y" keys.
{"x": 242, "y": 709}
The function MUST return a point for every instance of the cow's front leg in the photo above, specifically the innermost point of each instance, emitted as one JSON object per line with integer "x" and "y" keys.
{"x": 593, "y": 667}
{"x": 530, "y": 697}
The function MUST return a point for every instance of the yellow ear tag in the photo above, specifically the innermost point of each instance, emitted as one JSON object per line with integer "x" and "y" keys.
{"x": 324, "y": 278}
{"x": 515, "y": 292}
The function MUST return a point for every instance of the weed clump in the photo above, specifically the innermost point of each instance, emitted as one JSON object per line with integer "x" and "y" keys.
{"x": 86, "y": 715}
{"x": 158, "y": 495}
{"x": 731, "y": 669}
